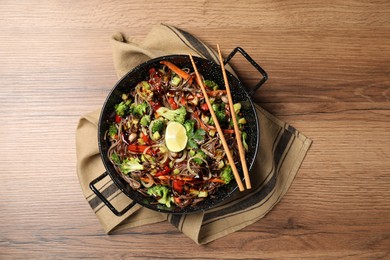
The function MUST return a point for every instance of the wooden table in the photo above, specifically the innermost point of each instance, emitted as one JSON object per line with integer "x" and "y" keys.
{"x": 329, "y": 68}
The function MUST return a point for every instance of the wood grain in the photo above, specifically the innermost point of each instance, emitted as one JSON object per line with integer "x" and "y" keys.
{"x": 329, "y": 67}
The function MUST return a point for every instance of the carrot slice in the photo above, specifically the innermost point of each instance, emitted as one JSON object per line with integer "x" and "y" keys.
{"x": 216, "y": 180}
{"x": 228, "y": 131}
{"x": 178, "y": 71}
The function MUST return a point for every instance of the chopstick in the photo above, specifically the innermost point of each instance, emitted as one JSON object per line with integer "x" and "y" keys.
{"x": 234, "y": 118}
{"x": 222, "y": 137}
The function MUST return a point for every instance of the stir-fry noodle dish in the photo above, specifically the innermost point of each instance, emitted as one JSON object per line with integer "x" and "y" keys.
{"x": 163, "y": 139}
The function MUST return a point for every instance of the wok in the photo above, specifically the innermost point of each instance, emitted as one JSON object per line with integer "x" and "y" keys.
{"x": 209, "y": 70}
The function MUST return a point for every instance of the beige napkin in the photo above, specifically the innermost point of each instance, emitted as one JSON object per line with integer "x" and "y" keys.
{"x": 282, "y": 150}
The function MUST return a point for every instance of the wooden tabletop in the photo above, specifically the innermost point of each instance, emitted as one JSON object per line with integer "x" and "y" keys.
{"x": 329, "y": 69}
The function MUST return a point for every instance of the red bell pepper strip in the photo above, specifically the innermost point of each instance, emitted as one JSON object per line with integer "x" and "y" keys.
{"x": 137, "y": 148}
{"x": 146, "y": 139}
{"x": 172, "y": 102}
{"x": 204, "y": 107}
{"x": 117, "y": 118}
{"x": 183, "y": 100}
{"x": 178, "y": 186}
{"x": 166, "y": 171}
{"x": 140, "y": 149}
{"x": 155, "y": 105}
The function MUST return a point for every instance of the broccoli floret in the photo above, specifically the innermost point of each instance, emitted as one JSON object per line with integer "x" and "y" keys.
{"x": 161, "y": 193}
{"x": 189, "y": 126}
{"x": 145, "y": 120}
{"x": 112, "y": 131}
{"x": 221, "y": 115}
{"x": 138, "y": 110}
{"x": 157, "y": 126}
{"x": 177, "y": 115}
{"x": 129, "y": 165}
{"x": 123, "y": 108}
{"x": 211, "y": 84}
{"x": 220, "y": 112}
{"x": 227, "y": 174}
{"x": 199, "y": 156}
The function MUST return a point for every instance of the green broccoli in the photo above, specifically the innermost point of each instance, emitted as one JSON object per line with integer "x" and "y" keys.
{"x": 161, "y": 193}
{"x": 220, "y": 112}
{"x": 189, "y": 126}
{"x": 129, "y": 165}
{"x": 177, "y": 115}
{"x": 227, "y": 174}
{"x": 157, "y": 125}
{"x": 112, "y": 131}
{"x": 211, "y": 84}
{"x": 123, "y": 108}
{"x": 138, "y": 110}
{"x": 145, "y": 120}
{"x": 199, "y": 156}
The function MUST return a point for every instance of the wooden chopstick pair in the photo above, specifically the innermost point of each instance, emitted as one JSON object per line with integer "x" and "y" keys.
{"x": 219, "y": 129}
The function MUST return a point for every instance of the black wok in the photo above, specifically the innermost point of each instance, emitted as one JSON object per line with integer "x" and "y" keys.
{"x": 210, "y": 70}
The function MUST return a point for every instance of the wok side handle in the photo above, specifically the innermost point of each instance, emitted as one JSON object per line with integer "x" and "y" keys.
{"x": 254, "y": 64}
{"x": 105, "y": 200}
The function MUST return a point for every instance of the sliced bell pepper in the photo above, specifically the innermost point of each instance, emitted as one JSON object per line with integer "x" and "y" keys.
{"x": 172, "y": 102}
{"x": 137, "y": 148}
{"x": 140, "y": 149}
{"x": 178, "y": 186}
{"x": 165, "y": 171}
{"x": 204, "y": 107}
{"x": 146, "y": 139}
{"x": 155, "y": 105}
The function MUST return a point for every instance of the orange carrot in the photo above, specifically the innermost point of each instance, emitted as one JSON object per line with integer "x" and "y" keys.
{"x": 177, "y": 70}
{"x": 145, "y": 179}
{"x": 186, "y": 178}
{"x": 216, "y": 180}
{"x": 228, "y": 131}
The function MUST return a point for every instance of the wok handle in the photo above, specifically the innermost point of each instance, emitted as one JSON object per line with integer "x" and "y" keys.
{"x": 105, "y": 200}
{"x": 253, "y": 63}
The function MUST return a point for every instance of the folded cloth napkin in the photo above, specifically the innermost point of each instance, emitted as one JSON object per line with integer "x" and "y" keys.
{"x": 282, "y": 150}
